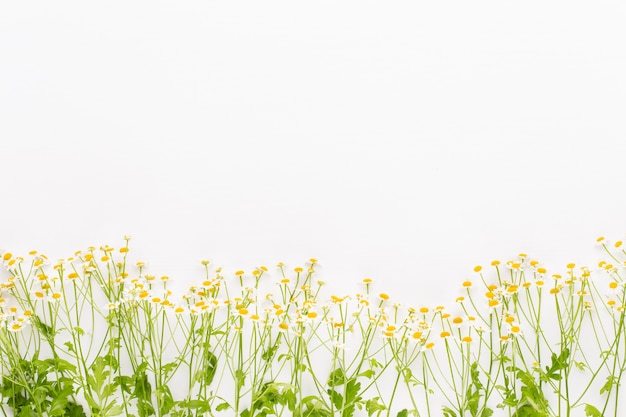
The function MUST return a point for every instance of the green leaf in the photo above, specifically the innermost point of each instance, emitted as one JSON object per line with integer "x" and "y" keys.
{"x": 559, "y": 363}
{"x": 75, "y": 410}
{"x": 284, "y": 356}
{"x": 448, "y": 412}
{"x": 197, "y": 404}
{"x": 290, "y": 398}
{"x": 124, "y": 382}
{"x": 475, "y": 374}
{"x": 487, "y": 412}
{"x": 336, "y": 377}
{"x": 113, "y": 410}
{"x": 222, "y": 407}
{"x": 368, "y": 374}
{"x": 375, "y": 364}
{"x": 46, "y": 331}
{"x": 268, "y": 355}
{"x": 472, "y": 399}
{"x": 60, "y": 401}
{"x": 70, "y": 347}
{"x": 608, "y": 385}
{"x": 336, "y": 398}
{"x": 40, "y": 394}
{"x": 62, "y": 365}
{"x": 352, "y": 391}
{"x": 145, "y": 408}
{"x": 211, "y": 367}
{"x": 141, "y": 388}
{"x": 168, "y": 369}
{"x": 240, "y": 377}
{"x": 592, "y": 411}
{"x": 403, "y": 413}
{"x": 374, "y": 407}
{"x": 165, "y": 399}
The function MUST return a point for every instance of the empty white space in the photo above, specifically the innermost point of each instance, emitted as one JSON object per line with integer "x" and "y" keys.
{"x": 402, "y": 141}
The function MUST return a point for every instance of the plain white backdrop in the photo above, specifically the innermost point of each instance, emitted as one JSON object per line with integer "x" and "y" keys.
{"x": 403, "y": 141}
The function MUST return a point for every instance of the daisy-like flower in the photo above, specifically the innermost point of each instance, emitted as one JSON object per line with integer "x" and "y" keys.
{"x": 111, "y": 306}
{"x": 15, "y": 326}
{"x": 514, "y": 330}
{"x": 428, "y": 346}
{"x": 88, "y": 267}
{"x": 13, "y": 262}
{"x": 339, "y": 346}
{"x": 514, "y": 265}
{"x": 389, "y": 331}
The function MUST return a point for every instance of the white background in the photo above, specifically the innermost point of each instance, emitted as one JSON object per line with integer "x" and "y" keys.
{"x": 404, "y": 141}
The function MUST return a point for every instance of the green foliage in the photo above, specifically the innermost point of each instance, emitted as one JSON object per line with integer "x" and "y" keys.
{"x": 532, "y": 401}
{"x": 559, "y": 364}
{"x": 344, "y": 392}
{"x": 35, "y": 387}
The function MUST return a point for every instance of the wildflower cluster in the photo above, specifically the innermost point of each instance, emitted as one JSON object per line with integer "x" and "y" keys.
{"x": 97, "y": 334}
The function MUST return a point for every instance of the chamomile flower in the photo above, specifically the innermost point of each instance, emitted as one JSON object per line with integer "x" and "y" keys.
{"x": 428, "y": 346}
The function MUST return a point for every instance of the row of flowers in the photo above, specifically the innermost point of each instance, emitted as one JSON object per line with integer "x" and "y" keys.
{"x": 284, "y": 330}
